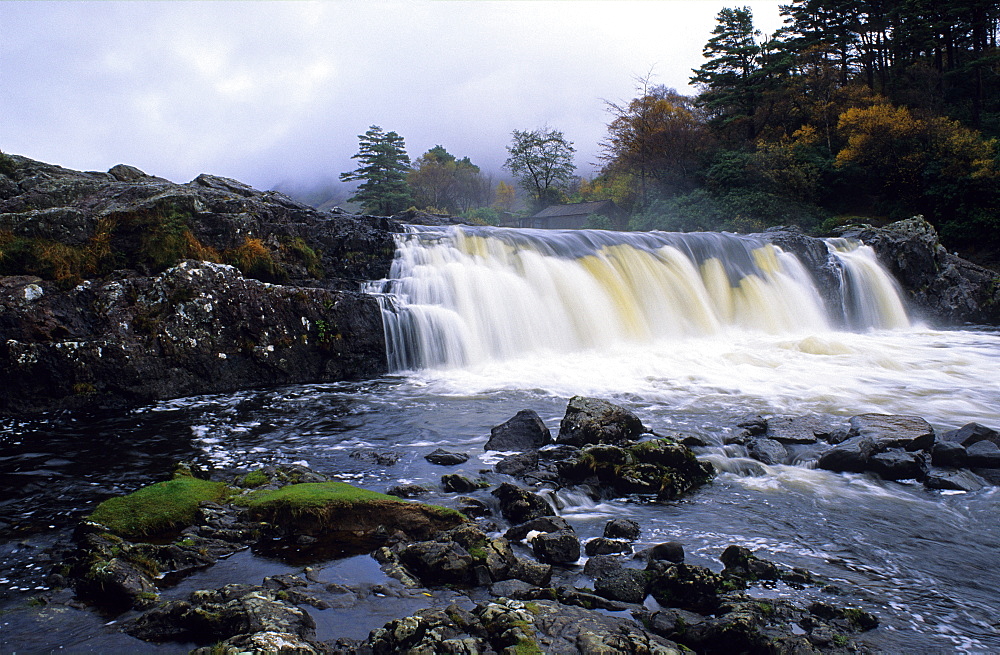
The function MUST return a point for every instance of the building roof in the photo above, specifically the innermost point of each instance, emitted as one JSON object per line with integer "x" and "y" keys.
{"x": 577, "y": 209}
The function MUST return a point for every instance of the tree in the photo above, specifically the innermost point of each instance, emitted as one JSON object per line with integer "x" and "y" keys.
{"x": 542, "y": 161}
{"x": 660, "y": 136}
{"x": 442, "y": 182}
{"x": 384, "y": 165}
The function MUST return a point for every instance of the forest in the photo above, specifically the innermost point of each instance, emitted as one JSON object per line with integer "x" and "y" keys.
{"x": 854, "y": 111}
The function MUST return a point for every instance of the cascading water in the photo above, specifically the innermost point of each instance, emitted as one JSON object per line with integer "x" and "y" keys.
{"x": 871, "y": 295}
{"x": 465, "y": 295}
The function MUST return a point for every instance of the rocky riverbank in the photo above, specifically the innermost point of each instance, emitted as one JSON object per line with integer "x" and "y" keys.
{"x": 121, "y": 288}
{"x": 507, "y": 582}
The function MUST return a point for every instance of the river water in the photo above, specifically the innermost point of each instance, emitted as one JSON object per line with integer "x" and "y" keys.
{"x": 744, "y": 336}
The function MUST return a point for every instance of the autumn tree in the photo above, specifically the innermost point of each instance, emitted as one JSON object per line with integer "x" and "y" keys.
{"x": 503, "y": 196}
{"x": 659, "y": 138}
{"x": 383, "y": 169}
{"x": 542, "y": 162}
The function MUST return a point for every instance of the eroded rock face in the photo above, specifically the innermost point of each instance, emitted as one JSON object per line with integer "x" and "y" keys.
{"x": 942, "y": 287}
{"x": 88, "y": 335}
{"x": 196, "y": 328}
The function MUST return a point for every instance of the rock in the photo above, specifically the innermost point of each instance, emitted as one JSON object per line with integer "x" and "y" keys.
{"x": 442, "y": 457}
{"x": 741, "y": 563}
{"x": 605, "y": 546}
{"x": 524, "y": 432}
{"x": 436, "y": 563}
{"x": 887, "y": 431}
{"x": 793, "y": 430}
{"x": 689, "y": 587}
{"x": 562, "y": 547}
{"x": 941, "y": 286}
{"x": 767, "y": 451}
{"x": 541, "y": 524}
{"x": 595, "y": 421}
{"x": 518, "y": 464}
{"x": 473, "y": 507}
{"x": 951, "y": 479}
{"x": 670, "y": 551}
{"x": 516, "y": 589}
{"x": 169, "y": 325}
{"x": 754, "y": 424}
{"x": 971, "y": 433}
{"x": 380, "y": 457}
{"x": 898, "y": 464}
{"x": 519, "y": 505}
{"x": 456, "y": 483}
{"x": 850, "y": 456}
{"x": 626, "y": 585}
{"x": 599, "y": 566}
{"x": 948, "y": 454}
{"x": 408, "y": 491}
{"x": 534, "y": 573}
{"x": 622, "y": 529}
{"x": 983, "y": 454}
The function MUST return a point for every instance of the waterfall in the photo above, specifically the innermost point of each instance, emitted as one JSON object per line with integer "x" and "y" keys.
{"x": 464, "y": 295}
{"x": 871, "y": 297}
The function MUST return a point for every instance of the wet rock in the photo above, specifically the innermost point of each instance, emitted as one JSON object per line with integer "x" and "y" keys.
{"x": 740, "y": 562}
{"x": 625, "y": 585}
{"x": 622, "y": 529}
{"x": 595, "y": 421}
{"x": 971, "y": 433}
{"x": 524, "y": 432}
{"x": 605, "y": 546}
{"x": 473, "y": 507}
{"x": 457, "y": 483}
{"x": 954, "y": 480}
{"x": 793, "y": 430}
{"x": 599, "y": 566}
{"x": 889, "y": 431}
{"x": 264, "y": 642}
{"x": 534, "y": 573}
{"x": 670, "y": 551}
{"x": 439, "y": 563}
{"x": 943, "y": 287}
{"x": 767, "y": 451}
{"x": 518, "y": 465}
{"x": 850, "y": 456}
{"x": 380, "y": 457}
{"x": 408, "y": 491}
{"x": 516, "y": 589}
{"x": 754, "y": 424}
{"x": 689, "y": 587}
{"x": 519, "y": 505}
{"x": 983, "y": 454}
{"x": 895, "y": 464}
{"x": 541, "y": 524}
{"x": 443, "y": 457}
{"x": 562, "y": 547}
{"x": 948, "y": 454}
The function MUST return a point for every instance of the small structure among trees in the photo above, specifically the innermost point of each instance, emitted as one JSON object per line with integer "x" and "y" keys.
{"x": 576, "y": 215}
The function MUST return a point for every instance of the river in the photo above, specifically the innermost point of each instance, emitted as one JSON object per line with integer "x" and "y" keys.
{"x": 923, "y": 561}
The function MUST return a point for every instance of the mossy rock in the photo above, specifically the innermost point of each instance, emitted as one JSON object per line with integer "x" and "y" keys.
{"x": 339, "y": 512}
{"x": 159, "y": 509}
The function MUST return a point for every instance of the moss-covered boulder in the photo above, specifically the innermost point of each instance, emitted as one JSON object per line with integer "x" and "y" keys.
{"x": 345, "y": 516}
{"x": 661, "y": 466}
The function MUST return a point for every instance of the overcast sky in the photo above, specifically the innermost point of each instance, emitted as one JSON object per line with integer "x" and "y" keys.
{"x": 276, "y": 92}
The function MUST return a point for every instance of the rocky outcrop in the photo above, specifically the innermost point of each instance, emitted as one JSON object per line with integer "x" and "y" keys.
{"x": 122, "y": 288}
{"x": 943, "y": 287}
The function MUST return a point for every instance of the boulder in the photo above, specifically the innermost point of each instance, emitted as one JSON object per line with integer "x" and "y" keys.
{"x": 622, "y": 529}
{"x": 443, "y": 457}
{"x": 971, "y": 433}
{"x": 524, "y": 432}
{"x": 625, "y": 585}
{"x": 436, "y": 563}
{"x": 457, "y": 483}
{"x": 562, "y": 547}
{"x": 595, "y": 421}
{"x": 794, "y": 429}
{"x": 519, "y": 505}
{"x": 518, "y": 464}
{"x": 605, "y": 546}
{"x": 948, "y": 454}
{"x": 953, "y": 480}
{"x": 850, "y": 456}
{"x": 896, "y": 464}
{"x": 541, "y": 524}
{"x": 740, "y": 562}
{"x": 767, "y": 451}
{"x": 983, "y": 454}
{"x": 598, "y": 566}
{"x": 888, "y": 431}
{"x": 670, "y": 551}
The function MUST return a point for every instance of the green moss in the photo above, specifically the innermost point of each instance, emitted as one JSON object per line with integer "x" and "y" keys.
{"x": 526, "y": 646}
{"x": 309, "y": 257}
{"x": 254, "y": 479}
{"x": 311, "y": 495}
{"x": 159, "y": 508}
{"x": 840, "y": 641}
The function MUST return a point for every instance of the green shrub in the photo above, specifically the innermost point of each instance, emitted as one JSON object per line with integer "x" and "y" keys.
{"x": 7, "y": 165}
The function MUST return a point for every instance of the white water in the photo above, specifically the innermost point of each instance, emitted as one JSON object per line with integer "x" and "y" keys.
{"x": 698, "y": 323}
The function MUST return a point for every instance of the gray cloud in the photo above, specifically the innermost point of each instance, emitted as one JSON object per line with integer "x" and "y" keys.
{"x": 271, "y": 92}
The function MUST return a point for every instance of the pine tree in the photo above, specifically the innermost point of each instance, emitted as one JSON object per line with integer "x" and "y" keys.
{"x": 384, "y": 165}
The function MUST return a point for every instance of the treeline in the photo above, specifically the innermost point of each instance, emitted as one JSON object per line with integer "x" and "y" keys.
{"x": 869, "y": 110}
{"x": 856, "y": 108}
